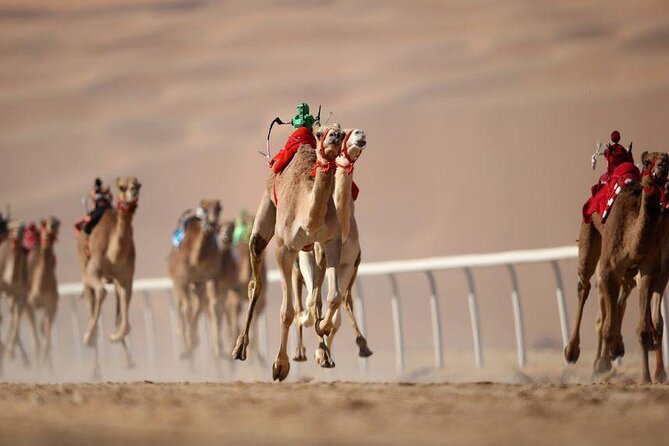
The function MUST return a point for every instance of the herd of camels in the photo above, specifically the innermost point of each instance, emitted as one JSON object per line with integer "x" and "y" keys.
{"x": 309, "y": 211}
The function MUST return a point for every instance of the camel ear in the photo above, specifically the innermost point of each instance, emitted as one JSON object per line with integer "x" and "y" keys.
{"x": 644, "y": 157}
{"x": 318, "y": 133}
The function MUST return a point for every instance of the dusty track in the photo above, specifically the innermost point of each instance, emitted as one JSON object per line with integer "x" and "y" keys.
{"x": 337, "y": 413}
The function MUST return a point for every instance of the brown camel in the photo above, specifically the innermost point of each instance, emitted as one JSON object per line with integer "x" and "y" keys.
{"x": 43, "y": 290}
{"x": 309, "y": 269}
{"x": 14, "y": 284}
{"x": 620, "y": 246}
{"x": 110, "y": 258}
{"x": 298, "y": 210}
{"x": 195, "y": 270}
{"x": 229, "y": 288}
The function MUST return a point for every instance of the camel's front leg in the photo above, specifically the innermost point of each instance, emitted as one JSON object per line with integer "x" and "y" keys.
{"x": 99, "y": 294}
{"x": 298, "y": 283}
{"x": 588, "y": 255}
{"x": 609, "y": 287}
{"x": 92, "y": 340}
{"x": 658, "y": 323}
{"x": 37, "y": 348}
{"x": 123, "y": 296}
{"x": 47, "y": 328}
{"x": 263, "y": 231}
{"x": 183, "y": 301}
{"x": 215, "y": 308}
{"x": 332, "y": 253}
{"x": 2, "y": 351}
{"x": 285, "y": 258}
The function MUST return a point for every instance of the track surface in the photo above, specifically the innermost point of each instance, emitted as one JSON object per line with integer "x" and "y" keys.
{"x": 332, "y": 413}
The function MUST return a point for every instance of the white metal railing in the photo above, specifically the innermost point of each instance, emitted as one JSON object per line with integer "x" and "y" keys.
{"x": 390, "y": 269}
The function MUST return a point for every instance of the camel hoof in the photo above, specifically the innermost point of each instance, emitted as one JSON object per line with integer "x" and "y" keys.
{"x": 323, "y": 357}
{"x": 280, "y": 369}
{"x": 660, "y": 376}
{"x": 239, "y": 351}
{"x": 617, "y": 349}
{"x": 572, "y": 352}
{"x": 601, "y": 366}
{"x": 364, "y": 351}
{"x": 300, "y": 354}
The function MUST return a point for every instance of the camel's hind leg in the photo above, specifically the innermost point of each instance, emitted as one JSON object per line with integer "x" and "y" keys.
{"x": 363, "y": 349}
{"x": 590, "y": 243}
{"x": 215, "y": 308}
{"x": 263, "y": 231}
{"x": 285, "y": 258}
{"x": 298, "y": 284}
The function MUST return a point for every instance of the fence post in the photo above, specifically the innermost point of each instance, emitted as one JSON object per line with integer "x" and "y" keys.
{"x": 150, "y": 328}
{"x": 517, "y": 316}
{"x": 436, "y": 322}
{"x": 397, "y": 325}
{"x": 562, "y": 306}
{"x": 76, "y": 330}
{"x": 474, "y": 317}
{"x": 359, "y": 306}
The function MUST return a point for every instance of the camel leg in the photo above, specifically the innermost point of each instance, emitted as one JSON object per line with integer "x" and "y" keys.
{"x": 346, "y": 276}
{"x": 215, "y": 308}
{"x": 123, "y": 296}
{"x": 2, "y": 351}
{"x": 658, "y": 323}
{"x": 588, "y": 256}
{"x": 47, "y": 328}
{"x": 92, "y": 340}
{"x": 196, "y": 298}
{"x": 643, "y": 329}
{"x": 363, "y": 349}
{"x": 37, "y": 348}
{"x": 183, "y": 301}
{"x": 285, "y": 258}
{"x": 610, "y": 289}
{"x": 99, "y": 294}
{"x": 332, "y": 253}
{"x": 13, "y": 337}
{"x": 263, "y": 231}
{"x": 298, "y": 283}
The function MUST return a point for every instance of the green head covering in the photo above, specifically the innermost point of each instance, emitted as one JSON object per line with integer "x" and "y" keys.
{"x": 241, "y": 231}
{"x": 303, "y": 118}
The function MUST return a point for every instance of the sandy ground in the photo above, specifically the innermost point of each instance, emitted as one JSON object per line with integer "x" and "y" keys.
{"x": 333, "y": 413}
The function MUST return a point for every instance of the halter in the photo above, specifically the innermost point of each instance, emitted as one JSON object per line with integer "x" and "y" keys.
{"x": 344, "y": 150}
{"x": 654, "y": 188}
{"x": 327, "y": 165}
{"x": 125, "y": 207}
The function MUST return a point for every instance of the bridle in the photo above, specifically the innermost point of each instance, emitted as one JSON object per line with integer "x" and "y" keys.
{"x": 125, "y": 207}
{"x": 654, "y": 188}
{"x": 327, "y": 165}
{"x": 344, "y": 151}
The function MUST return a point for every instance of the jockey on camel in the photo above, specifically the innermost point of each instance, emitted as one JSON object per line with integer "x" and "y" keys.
{"x": 303, "y": 123}
{"x": 101, "y": 197}
{"x": 621, "y": 170}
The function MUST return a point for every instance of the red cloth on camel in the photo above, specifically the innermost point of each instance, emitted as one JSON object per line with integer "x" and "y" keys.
{"x": 605, "y": 192}
{"x": 303, "y": 135}
{"x": 615, "y": 155}
{"x": 31, "y": 237}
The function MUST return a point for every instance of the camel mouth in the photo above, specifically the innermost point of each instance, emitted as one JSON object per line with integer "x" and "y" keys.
{"x": 362, "y": 143}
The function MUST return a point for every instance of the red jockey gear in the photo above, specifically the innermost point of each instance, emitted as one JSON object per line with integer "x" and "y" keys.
{"x": 302, "y": 135}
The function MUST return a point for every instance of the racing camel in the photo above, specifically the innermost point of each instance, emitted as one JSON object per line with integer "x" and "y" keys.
{"x": 310, "y": 268}
{"x": 620, "y": 246}
{"x": 13, "y": 282}
{"x": 107, "y": 255}
{"x": 43, "y": 291}
{"x": 195, "y": 269}
{"x": 298, "y": 209}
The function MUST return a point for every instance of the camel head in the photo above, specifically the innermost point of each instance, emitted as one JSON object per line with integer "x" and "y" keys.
{"x": 355, "y": 141}
{"x": 48, "y": 229}
{"x": 328, "y": 142}
{"x": 128, "y": 188}
{"x": 655, "y": 168}
{"x": 15, "y": 230}
{"x": 208, "y": 212}
{"x": 225, "y": 234}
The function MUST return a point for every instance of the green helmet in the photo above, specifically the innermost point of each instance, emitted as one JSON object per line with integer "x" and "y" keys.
{"x": 303, "y": 118}
{"x": 242, "y": 230}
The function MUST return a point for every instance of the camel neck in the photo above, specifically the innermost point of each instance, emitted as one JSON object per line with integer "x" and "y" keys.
{"x": 205, "y": 245}
{"x": 343, "y": 199}
{"x": 321, "y": 193}
{"x": 647, "y": 221}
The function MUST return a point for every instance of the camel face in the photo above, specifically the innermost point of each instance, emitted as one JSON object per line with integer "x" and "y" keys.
{"x": 128, "y": 189}
{"x": 329, "y": 141}
{"x": 658, "y": 163}
{"x": 356, "y": 143}
{"x": 211, "y": 210}
{"x": 225, "y": 234}
{"x": 49, "y": 228}
{"x": 15, "y": 231}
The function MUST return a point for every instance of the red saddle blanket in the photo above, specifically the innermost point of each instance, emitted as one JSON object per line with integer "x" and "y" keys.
{"x": 31, "y": 237}
{"x": 604, "y": 193}
{"x": 300, "y": 136}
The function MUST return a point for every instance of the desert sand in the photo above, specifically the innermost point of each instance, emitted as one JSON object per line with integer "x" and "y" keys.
{"x": 334, "y": 413}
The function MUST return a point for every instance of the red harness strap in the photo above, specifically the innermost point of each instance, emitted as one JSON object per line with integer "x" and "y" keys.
{"x": 654, "y": 188}
{"x": 344, "y": 150}
{"x": 126, "y": 207}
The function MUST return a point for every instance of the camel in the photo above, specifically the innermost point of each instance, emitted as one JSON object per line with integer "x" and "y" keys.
{"x": 229, "y": 287}
{"x": 195, "y": 269}
{"x": 309, "y": 269}
{"x": 298, "y": 210}
{"x": 621, "y": 246}
{"x": 107, "y": 255}
{"x": 43, "y": 285}
{"x": 14, "y": 285}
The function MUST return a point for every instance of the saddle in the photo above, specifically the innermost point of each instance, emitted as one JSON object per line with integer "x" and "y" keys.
{"x": 605, "y": 192}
